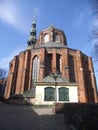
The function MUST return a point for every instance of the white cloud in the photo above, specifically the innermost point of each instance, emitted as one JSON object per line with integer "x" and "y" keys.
{"x": 80, "y": 17}
{"x": 4, "y": 61}
{"x": 8, "y": 12}
{"x": 12, "y": 15}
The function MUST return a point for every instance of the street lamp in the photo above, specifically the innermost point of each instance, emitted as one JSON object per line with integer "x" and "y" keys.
{"x": 55, "y": 76}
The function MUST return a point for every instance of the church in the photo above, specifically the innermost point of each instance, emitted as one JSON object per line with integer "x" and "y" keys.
{"x": 48, "y": 71}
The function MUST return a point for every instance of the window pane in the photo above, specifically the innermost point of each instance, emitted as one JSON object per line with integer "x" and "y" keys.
{"x": 57, "y": 37}
{"x": 71, "y": 69}
{"x": 49, "y": 94}
{"x": 46, "y": 38}
{"x": 63, "y": 94}
{"x": 35, "y": 68}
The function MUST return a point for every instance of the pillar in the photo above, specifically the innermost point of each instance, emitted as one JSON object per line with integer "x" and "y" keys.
{"x": 81, "y": 80}
{"x": 54, "y": 61}
{"x": 41, "y": 65}
{"x": 19, "y": 86}
{"x": 93, "y": 79}
{"x": 11, "y": 76}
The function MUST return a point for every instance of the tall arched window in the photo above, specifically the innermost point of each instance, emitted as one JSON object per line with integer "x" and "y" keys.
{"x": 46, "y": 38}
{"x": 35, "y": 68}
{"x": 63, "y": 94}
{"x": 49, "y": 94}
{"x": 71, "y": 69}
{"x": 48, "y": 64}
{"x": 59, "y": 63}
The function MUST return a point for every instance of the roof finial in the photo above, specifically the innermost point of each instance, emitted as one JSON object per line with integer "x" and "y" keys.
{"x": 34, "y": 18}
{"x": 36, "y": 12}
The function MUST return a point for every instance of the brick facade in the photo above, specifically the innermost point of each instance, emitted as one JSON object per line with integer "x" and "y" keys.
{"x": 53, "y": 56}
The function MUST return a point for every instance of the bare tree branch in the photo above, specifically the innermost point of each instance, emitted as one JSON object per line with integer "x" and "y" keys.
{"x": 2, "y": 73}
{"x": 94, "y": 6}
{"x": 94, "y": 33}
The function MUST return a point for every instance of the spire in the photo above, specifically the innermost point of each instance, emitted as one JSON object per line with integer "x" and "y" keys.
{"x": 32, "y": 37}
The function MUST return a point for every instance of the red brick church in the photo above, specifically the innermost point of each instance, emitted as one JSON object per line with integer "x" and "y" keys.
{"x": 50, "y": 71}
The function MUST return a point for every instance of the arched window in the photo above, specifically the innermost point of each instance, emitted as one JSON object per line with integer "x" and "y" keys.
{"x": 48, "y": 64}
{"x": 35, "y": 68}
{"x": 56, "y": 37}
{"x": 59, "y": 63}
{"x": 49, "y": 94}
{"x": 63, "y": 94}
{"x": 46, "y": 38}
{"x": 71, "y": 69}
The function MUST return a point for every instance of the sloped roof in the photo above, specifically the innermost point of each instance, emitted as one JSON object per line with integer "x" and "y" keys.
{"x": 51, "y": 45}
{"x": 29, "y": 47}
{"x": 59, "y": 79}
{"x": 53, "y": 28}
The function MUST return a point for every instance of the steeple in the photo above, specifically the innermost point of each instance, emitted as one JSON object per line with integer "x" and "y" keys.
{"x": 32, "y": 37}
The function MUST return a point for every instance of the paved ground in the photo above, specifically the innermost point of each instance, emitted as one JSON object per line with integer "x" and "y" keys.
{"x": 43, "y": 111}
{"x": 19, "y": 117}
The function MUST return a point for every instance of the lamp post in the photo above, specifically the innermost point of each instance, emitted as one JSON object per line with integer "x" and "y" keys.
{"x": 55, "y": 76}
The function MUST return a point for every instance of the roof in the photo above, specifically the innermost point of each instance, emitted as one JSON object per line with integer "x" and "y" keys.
{"x": 30, "y": 47}
{"x": 51, "y": 26}
{"x": 51, "y": 44}
{"x": 58, "y": 80}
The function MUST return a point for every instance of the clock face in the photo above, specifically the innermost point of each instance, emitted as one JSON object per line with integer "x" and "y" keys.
{"x": 46, "y": 38}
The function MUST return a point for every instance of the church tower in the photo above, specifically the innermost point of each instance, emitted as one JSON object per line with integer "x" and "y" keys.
{"x": 32, "y": 38}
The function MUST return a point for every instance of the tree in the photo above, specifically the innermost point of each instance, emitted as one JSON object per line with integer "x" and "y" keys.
{"x": 94, "y": 33}
{"x": 94, "y": 6}
{"x": 2, "y": 81}
{"x": 2, "y": 73}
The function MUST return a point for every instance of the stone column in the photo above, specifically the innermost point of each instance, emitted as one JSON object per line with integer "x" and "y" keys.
{"x": 81, "y": 80}
{"x": 25, "y": 77}
{"x": 11, "y": 76}
{"x": 41, "y": 65}
{"x": 54, "y": 62}
{"x": 19, "y": 86}
{"x": 51, "y": 35}
{"x": 66, "y": 64}
{"x": 30, "y": 73}
{"x": 8, "y": 85}
{"x": 93, "y": 79}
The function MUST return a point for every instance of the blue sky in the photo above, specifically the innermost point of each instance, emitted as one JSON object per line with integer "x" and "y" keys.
{"x": 74, "y": 17}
